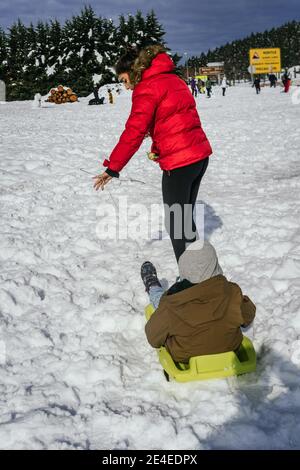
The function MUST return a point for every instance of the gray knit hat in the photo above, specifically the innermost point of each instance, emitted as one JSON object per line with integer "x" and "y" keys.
{"x": 199, "y": 262}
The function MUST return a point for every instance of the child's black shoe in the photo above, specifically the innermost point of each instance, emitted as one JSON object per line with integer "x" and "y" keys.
{"x": 149, "y": 275}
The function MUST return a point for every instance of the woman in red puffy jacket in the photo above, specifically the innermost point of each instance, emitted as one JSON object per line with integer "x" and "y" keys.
{"x": 163, "y": 106}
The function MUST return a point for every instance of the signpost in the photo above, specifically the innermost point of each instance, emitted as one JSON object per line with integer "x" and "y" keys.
{"x": 2, "y": 91}
{"x": 251, "y": 70}
{"x": 265, "y": 61}
{"x": 213, "y": 69}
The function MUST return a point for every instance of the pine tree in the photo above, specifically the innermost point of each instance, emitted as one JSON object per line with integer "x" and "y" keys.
{"x": 78, "y": 45}
{"x": 42, "y": 56}
{"x": 126, "y": 34}
{"x": 193, "y": 64}
{"x": 154, "y": 30}
{"x": 106, "y": 52}
{"x": 3, "y": 55}
{"x": 54, "y": 69}
{"x": 176, "y": 58}
{"x": 202, "y": 60}
{"x": 138, "y": 32}
{"x": 37, "y": 44}
{"x": 88, "y": 51}
{"x": 29, "y": 70}
{"x": 16, "y": 65}
{"x": 140, "y": 26}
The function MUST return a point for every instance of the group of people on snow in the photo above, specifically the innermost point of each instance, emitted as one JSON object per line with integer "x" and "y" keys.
{"x": 286, "y": 81}
{"x": 202, "y": 313}
{"x": 199, "y": 86}
{"x": 100, "y": 100}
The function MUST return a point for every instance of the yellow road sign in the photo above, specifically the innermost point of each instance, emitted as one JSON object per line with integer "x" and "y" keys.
{"x": 265, "y": 60}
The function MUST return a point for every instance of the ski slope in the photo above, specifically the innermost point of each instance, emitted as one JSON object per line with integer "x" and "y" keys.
{"x": 76, "y": 370}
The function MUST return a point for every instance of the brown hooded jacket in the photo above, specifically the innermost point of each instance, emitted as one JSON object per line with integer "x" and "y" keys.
{"x": 202, "y": 319}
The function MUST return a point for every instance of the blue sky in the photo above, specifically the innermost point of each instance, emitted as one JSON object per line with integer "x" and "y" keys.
{"x": 191, "y": 26}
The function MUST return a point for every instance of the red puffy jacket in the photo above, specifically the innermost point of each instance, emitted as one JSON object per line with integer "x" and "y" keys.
{"x": 163, "y": 106}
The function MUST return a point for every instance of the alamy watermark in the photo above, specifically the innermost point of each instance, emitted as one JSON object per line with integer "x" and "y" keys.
{"x": 296, "y": 96}
{"x": 122, "y": 220}
{"x": 295, "y": 357}
{"x": 2, "y": 350}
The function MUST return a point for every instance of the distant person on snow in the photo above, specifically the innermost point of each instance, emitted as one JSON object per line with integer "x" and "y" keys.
{"x": 201, "y": 314}
{"x": 37, "y": 100}
{"x": 110, "y": 96}
{"x": 286, "y": 80}
{"x": 203, "y": 87}
{"x": 200, "y": 84}
{"x": 256, "y": 84}
{"x": 224, "y": 85}
{"x": 96, "y": 100}
{"x": 162, "y": 105}
{"x": 273, "y": 80}
{"x": 194, "y": 87}
{"x": 208, "y": 87}
{"x": 96, "y": 92}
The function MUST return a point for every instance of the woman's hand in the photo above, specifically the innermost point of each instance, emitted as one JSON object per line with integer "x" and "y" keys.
{"x": 101, "y": 180}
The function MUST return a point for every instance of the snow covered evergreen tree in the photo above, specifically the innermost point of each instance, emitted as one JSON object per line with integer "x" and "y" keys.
{"x": 17, "y": 87}
{"x": 3, "y": 55}
{"x": 54, "y": 69}
{"x": 154, "y": 30}
{"x": 37, "y": 46}
{"x": 126, "y": 34}
{"x": 79, "y": 54}
{"x": 106, "y": 52}
{"x": 135, "y": 31}
{"x": 30, "y": 73}
{"x": 78, "y": 50}
{"x": 88, "y": 50}
{"x": 140, "y": 28}
{"x": 42, "y": 55}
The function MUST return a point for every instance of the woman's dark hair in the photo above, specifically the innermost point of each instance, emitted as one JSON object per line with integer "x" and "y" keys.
{"x": 125, "y": 63}
{"x": 135, "y": 61}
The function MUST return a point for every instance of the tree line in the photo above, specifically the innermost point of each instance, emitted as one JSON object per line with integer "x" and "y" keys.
{"x": 83, "y": 51}
{"x": 235, "y": 55}
{"x": 79, "y": 53}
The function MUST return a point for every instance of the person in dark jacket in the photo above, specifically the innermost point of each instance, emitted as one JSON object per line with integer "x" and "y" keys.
{"x": 208, "y": 87}
{"x": 256, "y": 84}
{"x": 96, "y": 92}
{"x": 273, "y": 80}
{"x": 201, "y": 314}
{"x": 194, "y": 87}
{"x": 163, "y": 107}
{"x": 96, "y": 100}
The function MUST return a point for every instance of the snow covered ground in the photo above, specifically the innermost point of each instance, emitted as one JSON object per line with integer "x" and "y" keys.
{"x": 76, "y": 370}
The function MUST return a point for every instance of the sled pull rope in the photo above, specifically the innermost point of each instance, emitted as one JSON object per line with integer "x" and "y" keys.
{"x": 116, "y": 207}
{"x": 132, "y": 180}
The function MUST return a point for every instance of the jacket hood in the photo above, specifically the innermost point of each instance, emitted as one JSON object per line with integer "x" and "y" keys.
{"x": 162, "y": 63}
{"x": 202, "y": 303}
{"x": 151, "y": 61}
{"x": 199, "y": 262}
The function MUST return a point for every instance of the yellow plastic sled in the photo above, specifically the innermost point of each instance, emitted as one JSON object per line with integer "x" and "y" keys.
{"x": 212, "y": 366}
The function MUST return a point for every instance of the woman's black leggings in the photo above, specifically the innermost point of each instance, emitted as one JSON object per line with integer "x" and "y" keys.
{"x": 180, "y": 188}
